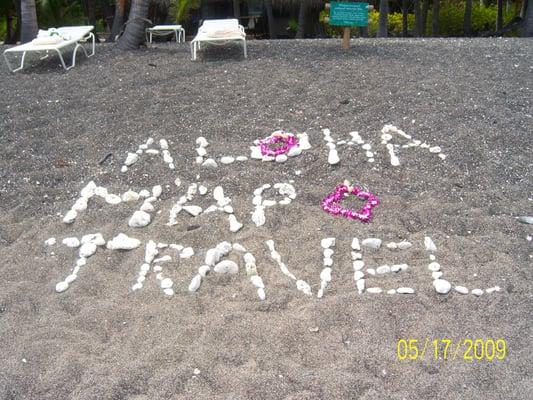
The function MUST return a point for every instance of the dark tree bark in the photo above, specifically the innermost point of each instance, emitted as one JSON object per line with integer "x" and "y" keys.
{"x": 527, "y": 27}
{"x": 29, "y": 27}
{"x": 237, "y": 9}
{"x": 424, "y": 19}
{"x": 523, "y": 9}
{"x": 435, "y": 18}
{"x": 383, "y": 17}
{"x": 467, "y": 27}
{"x": 118, "y": 20}
{"x": 405, "y": 6}
{"x": 270, "y": 17}
{"x": 15, "y": 33}
{"x": 300, "y": 32}
{"x": 499, "y": 17}
{"x": 418, "y": 18}
{"x": 107, "y": 14}
{"x": 134, "y": 35}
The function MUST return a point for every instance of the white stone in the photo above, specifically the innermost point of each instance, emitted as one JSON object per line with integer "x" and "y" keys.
{"x": 50, "y": 242}
{"x": 374, "y": 290}
{"x": 187, "y": 252}
{"x": 152, "y": 151}
{"x": 61, "y": 287}
{"x": 257, "y": 281}
{"x": 95, "y": 238}
{"x": 150, "y": 251}
{"x": 303, "y": 141}
{"x": 360, "y": 283}
{"x": 428, "y": 243}
{"x": 158, "y": 268}
{"x": 167, "y": 157}
{"x": 404, "y": 245}
{"x": 327, "y": 242}
{"x": 202, "y": 142}
{"x": 328, "y": 262}
{"x": 391, "y": 291}
{"x": 303, "y": 287}
{"x": 80, "y": 262}
{"x": 238, "y": 247}
{"x": 130, "y": 195}
{"x": 212, "y": 256}
{"x": 269, "y": 203}
{"x": 226, "y": 267}
{"x": 195, "y": 283}
{"x": 145, "y": 267}
{"x": 392, "y": 245}
{"x": 255, "y": 153}
{"x": 371, "y": 271}
{"x": 112, "y": 199}
{"x": 280, "y": 158}
{"x": 123, "y": 242}
{"x": 131, "y": 158}
{"x": 224, "y": 248}
{"x": 193, "y": 210}
{"x": 493, "y": 289}
{"x": 436, "y": 274}
{"x": 258, "y": 216}
{"x": 234, "y": 225}
{"x": 80, "y": 204}
{"x": 333, "y": 157}
{"x": 358, "y": 265}
{"x": 373, "y": 243}
{"x": 71, "y": 242}
{"x": 88, "y": 190}
{"x": 442, "y": 286}
{"x": 434, "y": 266}
{"x": 144, "y": 193}
{"x": 137, "y": 286}
{"x": 477, "y": 292}
{"x": 241, "y": 158}
{"x": 325, "y": 275}
{"x": 355, "y": 244}
{"x": 405, "y": 290}
{"x": 70, "y": 278}
{"x": 148, "y": 207}
{"x": 162, "y": 259}
{"x": 294, "y": 151}
{"x": 168, "y": 291}
{"x": 70, "y": 216}
{"x": 166, "y": 283}
{"x": 100, "y": 191}
{"x": 87, "y": 250}
{"x": 204, "y": 270}
{"x": 157, "y": 190}
{"x": 383, "y": 269}
{"x": 328, "y": 253}
{"x": 228, "y": 209}
{"x": 435, "y": 149}
{"x": 358, "y": 275}
{"x": 139, "y": 219}
{"x": 227, "y": 160}
{"x": 461, "y": 289}
{"x": 210, "y": 163}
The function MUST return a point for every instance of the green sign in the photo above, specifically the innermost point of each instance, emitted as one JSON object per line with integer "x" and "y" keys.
{"x": 348, "y": 14}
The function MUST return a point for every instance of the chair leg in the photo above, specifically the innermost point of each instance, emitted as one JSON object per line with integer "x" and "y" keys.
{"x": 63, "y": 61}
{"x": 245, "y": 50}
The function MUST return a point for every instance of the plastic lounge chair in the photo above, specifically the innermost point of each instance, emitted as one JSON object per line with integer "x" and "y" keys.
{"x": 165, "y": 30}
{"x": 55, "y": 40}
{"x": 216, "y": 31}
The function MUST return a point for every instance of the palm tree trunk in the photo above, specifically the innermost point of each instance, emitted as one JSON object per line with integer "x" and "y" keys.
{"x": 418, "y": 19}
{"x": 424, "y": 19}
{"x": 134, "y": 35}
{"x": 523, "y": 9}
{"x": 405, "y": 5}
{"x": 527, "y": 30}
{"x": 435, "y": 18}
{"x": 383, "y": 17}
{"x": 236, "y": 9}
{"x": 499, "y": 18}
{"x": 118, "y": 20}
{"x": 28, "y": 16}
{"x": 12, "y": 39}
{"x": 300, "y": 32}
{"x": 468, "y": 18}
{"x": 270, "y": 17}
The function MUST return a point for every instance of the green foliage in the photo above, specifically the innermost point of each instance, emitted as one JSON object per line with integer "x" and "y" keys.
{"x": 181, "y": 9}
{"x": 54, "y": 13}
{"x": 293, "y": 25}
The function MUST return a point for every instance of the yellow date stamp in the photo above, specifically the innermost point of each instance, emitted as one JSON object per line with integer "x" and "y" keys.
{"x": 451, "y": 349}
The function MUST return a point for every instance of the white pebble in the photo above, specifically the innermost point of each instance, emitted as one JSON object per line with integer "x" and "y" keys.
{"x": 261, "y": 293}
{"x": 50, "y": 242}
{"x": 360, "y": 283}
{"x": 112, "y": 199}
{"x": 166, "y": 283}
{"x": 131, "y": 158}
{"x": 71, "y": 242}
{"x": 193, "y": 210}
{"x": 87, "y": 250}
{"x": 333, "y": 157}
{"x": 280, "y": 158}
{"x": 257, "y": 281}
{"x": 358, "y": 265}
{"x": 139, "y": 219}
{"x": 168, "y": 291}
{"x": 327, "y": 242}
{"x": 461, "y": 289}
{"x": 373, "y": 243}
{"x": 477, "y": 292}
{"x": 227, "y": 160}
{"x": 187, "y": 252}
{"x": 434, "y": 266}
{"x": 428, "y": 243}
{"x": 355, "y": 244}
{"x": 442, "y": 286}
{"x": 123, "y": 242}
{"x": 209, "y": 163}
{"x": 137, "y": 286}
{"x": 61, "y": 287}
{"x": 70, "y": 216}
{"x": 375, "y": 290}
{"x": 436, "y": 274}
{"x": 405, "y": 290}
{"x": 383, "y": 269}
{"x": 358, "y": 275}
{"x": 404, "y": 245}
{"x": 226, "y": 267}
{"x": 195, "y": 283}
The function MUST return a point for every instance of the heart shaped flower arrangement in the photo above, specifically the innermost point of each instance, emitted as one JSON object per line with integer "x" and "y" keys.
{"x": 288, "y": 139}
{"x": 331, "y": 203}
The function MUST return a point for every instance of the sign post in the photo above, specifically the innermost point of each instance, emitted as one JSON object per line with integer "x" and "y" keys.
{"x": 347, "y": 14}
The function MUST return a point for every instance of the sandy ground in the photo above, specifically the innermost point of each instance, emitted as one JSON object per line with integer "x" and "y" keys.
{"x": 100, "y": 340}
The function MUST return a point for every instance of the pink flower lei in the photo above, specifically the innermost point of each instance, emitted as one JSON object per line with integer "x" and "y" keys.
{"x": 331, "y": 205}
{"x": 288, "y": 139}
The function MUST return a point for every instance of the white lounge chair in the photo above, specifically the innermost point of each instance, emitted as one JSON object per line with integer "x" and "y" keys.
{"x": 56, "y": 40}
{"x": 216, "y": 31}
{"x": 165, "y": 30}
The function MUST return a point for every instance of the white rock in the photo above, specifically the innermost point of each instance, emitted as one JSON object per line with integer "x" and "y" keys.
{"x": 201, "y": 141}
{"x": 148, "y": 207}
{"x": 303, "y": 141}
{"x": 166, "y": 283}
{"x": 373, "y": 243}
{"x": 258, "y": 216}
{"x": 227, "y": 160}
{"x": 294, "y": 151}
{"x": 156, "y": 191}
{"x": 442, "y": 286}
{"x": 383, "y": 269}
{"x": 395, "y": 268}
{"x": 428, "y": 243}
{"x": 139, "y": 219}
{"x": 269, "y": 203}
{"x": 152, "y": 151}
{"x": 168, "y": 291}
{"x": 212, "y": 256}
{"x": 204, "y": 270}
{"x": 325, "y": 275}
{"x": 131, "y": 158}
{"x": 193, "y": 210}
{"x": 145, "y": 267}
{"x": 374, "y": 290}
{"x": 202, "y": 190}
{"x": 434, "y": 266}
{"x": 255, "y": 153}
{"x": 50, "y": 242}
{"x": 241, "y": 158}
{"x": 226, "y": 267}
{"x": 328, "y": 262}
{"x": 70, "y": 216}
{"x": 261, "y": 293}
{"x": 87, "y": 250}
{"x": 333, "y": 157}
{"x": 435, "y": 149}
{"x": 493, "y": 289}
{"x": 360, "y": 283}
{"x": 405, "y": 290}
{"x": 163, "y": 144}
{"x": 328, "y": 253}
{"x": 257, "y": 281}
{"x": 358, "y": 275}
{"x": 392, "y": 245}
{"x": 150, "y": 251}
{"x": 81, "y": 262}
{"x": 88, "y": 190}
{"x": 249, "y": 258}
{"x": 158, "y": 268}
{"x": 371, "y": 271}
{"x": 70, "y": 278}
{"x": 436, "y": 274}
{"x": 355, "y": 244}
{"x": 137, "y": 286}
{"x": 327, "y": 242}
{"x": 303, "y": 287}
{"x": 391, "y": 291}
{"x": 280, "y": 158}
{"x": 477, "y": 292}
{"x": 404, "y": 245}
{"x": 123, "y": 242}
{"x": 112, "y": 199}
{"x": 461, "y": 289}
{"x": 234, "y": 225}
{"x": 167, "y": 157}
{"x": 228, "y": 209}
{"x": 257, "y": 200}
{"x": 358, "y": 265}
{"x": 100, "y": 191}
{"x": 80, "y": 204}
{"x": 130, "y": 195}
{"x": 210, "y": 163}
{"x": 95, "y": 238}
{"x": 71, "y": 242}
{"x": 187, "y": 252}
{"x": 195, "y": 283}
{"x": 61, "y": 287}
{"x": 144, "y": 193}
{"x": 224, "y": 248}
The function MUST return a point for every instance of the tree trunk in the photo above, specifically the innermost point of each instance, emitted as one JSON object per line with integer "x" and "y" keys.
{"x": 383, "y": 16}
{"x": 107, "y": 15}
{"x": 134, "y": 35}
{"x": 467, "y": 27}
{"x": 300, "y": 32}
{"x": 118, "y": 20}
{"x": 527, "y": 30}
{"x": 523, "y": 9}
{"x": 418, "y": 19}
{"x": 499, "y": 18}
{"x": 237, "y": 9}
{"x": 405, "y": 5}
{"x": 424, "y": 19}
{"x": 435, "y": 18}
{"x": 15, "y": 32}
{"x": 28, "y": 16}
{"x": 270, "y": 17}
